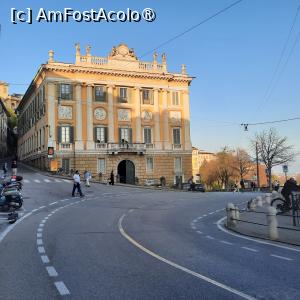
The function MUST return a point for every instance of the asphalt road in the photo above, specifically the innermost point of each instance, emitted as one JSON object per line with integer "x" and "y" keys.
{"x": 131, "y": 243}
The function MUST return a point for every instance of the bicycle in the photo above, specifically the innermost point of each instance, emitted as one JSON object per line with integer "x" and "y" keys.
{"x": 281, "y": 204}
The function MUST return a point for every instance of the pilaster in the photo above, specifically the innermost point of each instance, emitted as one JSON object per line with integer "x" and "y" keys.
{"x": 167, "y": 144}
{"x": 157, "y": 139}
{"x": 111, "y": 124}
{"x": 89, "y": 118}
{"x": 186, "y": 115}
{"x": 138, "y": 123}
{"x": 78, "y": 135}
{"x": 51, "y": 115}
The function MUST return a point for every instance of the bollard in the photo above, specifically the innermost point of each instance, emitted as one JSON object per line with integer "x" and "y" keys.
{"x": 230, "y": 215}
{"x": 252, "y": 205}
{"x": 259, "y": 201}
{"x": 268, "y": 198}
{"x": 272, "y": 223}
{"x": 237, "y": 213}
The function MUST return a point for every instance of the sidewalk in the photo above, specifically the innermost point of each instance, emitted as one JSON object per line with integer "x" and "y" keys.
{"x": 257, "y": 226}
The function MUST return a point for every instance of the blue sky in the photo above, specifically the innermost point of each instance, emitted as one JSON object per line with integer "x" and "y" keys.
{"x": 232, "y": 56}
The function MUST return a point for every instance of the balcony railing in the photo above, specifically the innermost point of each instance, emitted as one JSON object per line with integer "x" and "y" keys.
{"x": 65, "y": 146}
{"x": 177, "y": 146}
{"x": 113, "y": 148}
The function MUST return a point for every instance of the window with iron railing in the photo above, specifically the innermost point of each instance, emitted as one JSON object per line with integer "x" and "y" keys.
{"x": 100, "y": 93}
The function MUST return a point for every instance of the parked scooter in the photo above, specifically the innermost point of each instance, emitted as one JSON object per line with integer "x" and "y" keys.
{"x": 12, "y": 199}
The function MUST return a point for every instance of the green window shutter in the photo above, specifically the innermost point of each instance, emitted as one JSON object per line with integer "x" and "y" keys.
{"x": 119, "y": 135}
{"x": 106, "y": 134}
{"x": 71, "y": 134}
{"x": 130, "y": 135}
{"x": 59, "y": 134}
{"x": 71, "y": 92}
{"x": 95, "y": 134}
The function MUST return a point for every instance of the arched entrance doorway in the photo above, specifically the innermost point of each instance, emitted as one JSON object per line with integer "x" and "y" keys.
{"x": 126, "y": 172}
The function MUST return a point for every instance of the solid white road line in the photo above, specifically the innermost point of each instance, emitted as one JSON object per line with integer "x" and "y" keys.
{"x": 281, "y": 257}
{"x": 250, "y": 249}
{"x": 41, "y": 249}
{"x": 186, "y": 270}
{"x": 41, "y": 207}
{"x": 45, "y": 259}
{"x": 51, "y": 271}
{"x": 62, "y": 289}
{"x": 53, "y": 203}
{"x": 252, "y": 239}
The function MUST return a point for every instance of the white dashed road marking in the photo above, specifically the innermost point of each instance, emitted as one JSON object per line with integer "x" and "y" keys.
{"x": 37, "y": 181}
{"x": 39, "y": 235}
{"x": 41, "y": 249}
{"x": 57, "y": 180}
{"x": 39, "y": 242}
{"x": 53, "y": 203}
{"x": 210, "y": 237}
{"x": 47, "y": 180}
{"x": 45, "y": 259}
{"x": 62, "y": 289}
{"x": 26, "y": 180}
{"x": 226, "y": 242}
{"x": 51, "y": 271}
{"x": 198, "y": 231}
{"x": 281, "y": 257}
{"x": 250, "y": 249}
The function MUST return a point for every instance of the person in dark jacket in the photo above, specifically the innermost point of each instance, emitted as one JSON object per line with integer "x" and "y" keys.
{"x": 14, "y": 167}
{"x": 289, "y": 187}
{"x": 112, "y": 178}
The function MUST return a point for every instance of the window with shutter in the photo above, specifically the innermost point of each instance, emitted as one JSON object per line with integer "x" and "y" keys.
{"x": 177, "y": 165}
{"x": 100, "y": 94}
{"x": 147, "y": 135}
{"x": 149, "y": 165}
{"x": 147, "y": 96}
{"x": 175, "y": 98}
{"x": 66, "y": 91}
{"x": 176, "y": 136}
{"x": 100, "y": 134}
{"x": 123, "y": 95}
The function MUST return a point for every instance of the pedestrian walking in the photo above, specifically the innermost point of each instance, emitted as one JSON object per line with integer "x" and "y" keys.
{"x": 242, "y": 184}
{"x": 4, "y": 168}
{"x": 14, "y": 167}
{"x": 76, "y": 185}
{"x": 112, "y": 178}
{"x": 87, "y": 177}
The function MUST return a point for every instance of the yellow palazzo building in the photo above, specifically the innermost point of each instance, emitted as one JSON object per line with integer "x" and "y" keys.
{"x": 104, "y": 114}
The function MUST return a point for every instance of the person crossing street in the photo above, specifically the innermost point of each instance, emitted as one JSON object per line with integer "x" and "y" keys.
{"x": 76, "y": 185}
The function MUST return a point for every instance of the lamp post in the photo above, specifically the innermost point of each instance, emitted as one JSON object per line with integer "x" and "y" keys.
{"x": 257, "y": 166}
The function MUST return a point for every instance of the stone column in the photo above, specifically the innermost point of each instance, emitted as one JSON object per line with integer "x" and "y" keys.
{"x": 157, "y": 139}
{"x": 51, "y": 115}
{"x": 186, "y": 116}
{"x": 111, "y": 124}
{"x": 78, "y": 133}
{"x": 89, "y": 118}
{"x": 138, "y": 123}
{"x": 167, "y": 144}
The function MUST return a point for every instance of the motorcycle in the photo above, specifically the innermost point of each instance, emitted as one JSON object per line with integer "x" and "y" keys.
{"x": 10, "y": 199}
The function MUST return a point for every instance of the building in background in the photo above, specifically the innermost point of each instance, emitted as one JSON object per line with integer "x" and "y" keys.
{"x": 10, "y": 101}
{"x": 104, "y": 114}
{"x": 3, "y": 129}
{"x": 198, "y": 158}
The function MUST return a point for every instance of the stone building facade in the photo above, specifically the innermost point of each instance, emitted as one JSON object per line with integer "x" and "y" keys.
{"x": 10, "y": 101}
{"x": 104, "y": 114}
{"x": 198, "y": 158}
{"x": 3, "y": 129}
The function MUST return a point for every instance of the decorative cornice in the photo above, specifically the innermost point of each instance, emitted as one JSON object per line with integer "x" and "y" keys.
{"x": 122, "y": 73}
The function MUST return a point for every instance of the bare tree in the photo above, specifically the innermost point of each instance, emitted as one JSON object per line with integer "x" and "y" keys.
{"x": 243, "y": 162}
{"x": 273, "y": 150}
